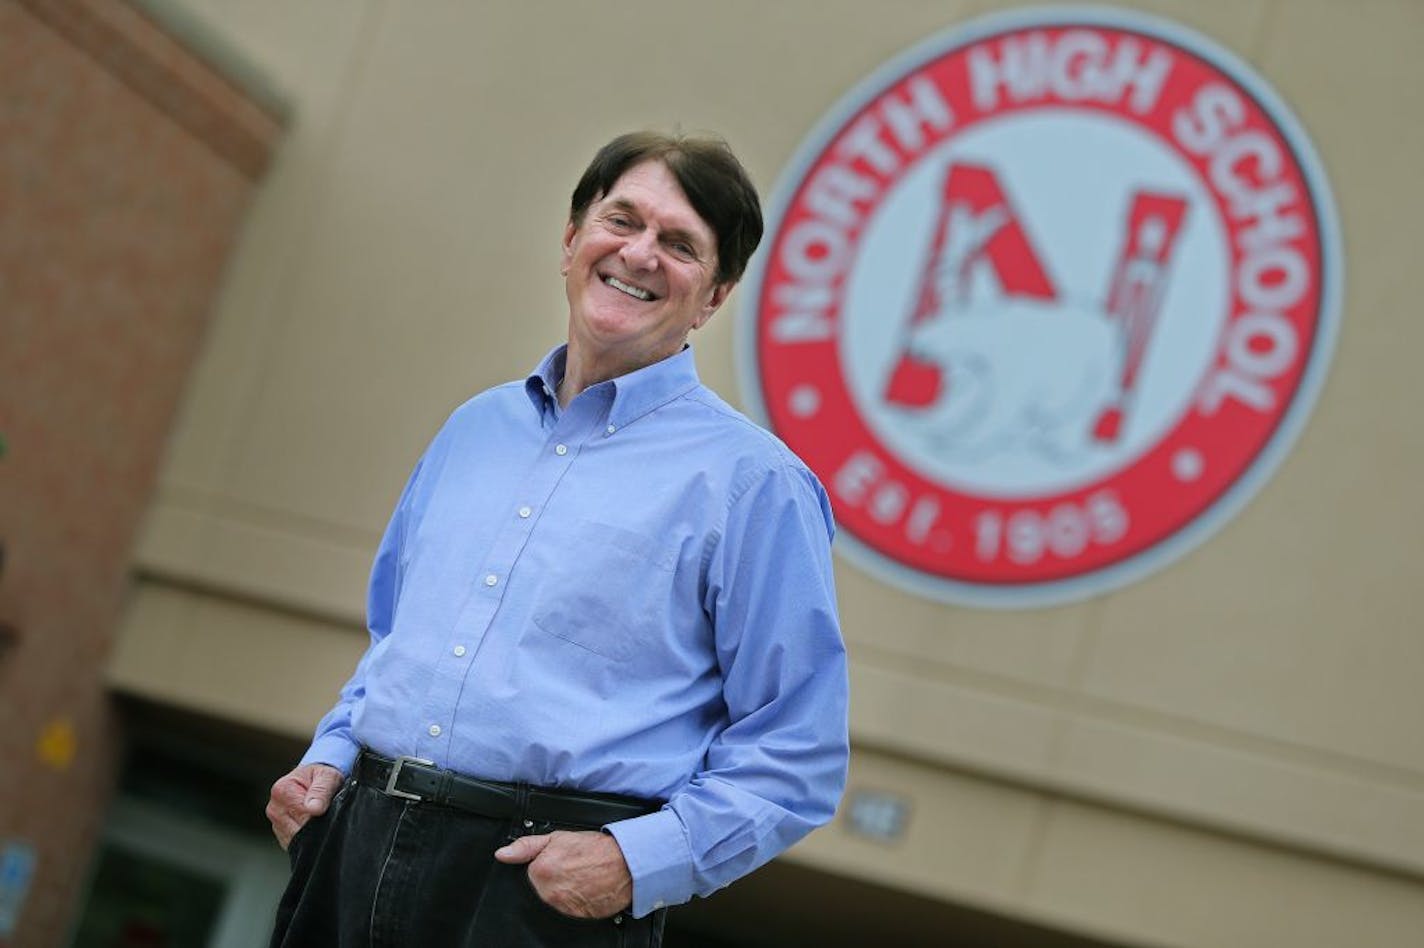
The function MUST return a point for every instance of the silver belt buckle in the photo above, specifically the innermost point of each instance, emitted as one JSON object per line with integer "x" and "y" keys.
{"x": 396, "y": 766}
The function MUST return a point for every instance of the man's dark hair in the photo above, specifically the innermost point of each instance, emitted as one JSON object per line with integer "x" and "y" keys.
{"x": 716, "y": 185}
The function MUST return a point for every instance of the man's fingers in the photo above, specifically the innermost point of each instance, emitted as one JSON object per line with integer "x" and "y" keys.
{"x": 324, "y": 783}
{"x": 522, "y": 850}
{"x": 300, "y": 795}
{"x": 283, "y": 826}
{"x": 284, "y": 808}
{"x": 582, "y": 874}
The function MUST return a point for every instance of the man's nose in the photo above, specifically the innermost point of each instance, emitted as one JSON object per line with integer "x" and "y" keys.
{"x": 640, "y": 252}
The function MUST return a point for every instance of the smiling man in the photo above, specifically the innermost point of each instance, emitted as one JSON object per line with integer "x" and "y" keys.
{"x": 605, "y": 672}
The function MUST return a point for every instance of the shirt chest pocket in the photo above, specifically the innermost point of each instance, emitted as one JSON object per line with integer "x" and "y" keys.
{"x": 610, "y": 592}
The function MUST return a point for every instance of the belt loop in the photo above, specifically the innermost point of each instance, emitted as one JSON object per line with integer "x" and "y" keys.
{"x": 442, "y": 788}
{"x": 521, "y": 804}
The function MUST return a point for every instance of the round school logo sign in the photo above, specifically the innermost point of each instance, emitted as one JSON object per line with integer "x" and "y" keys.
{"x": 1043, "y": 302}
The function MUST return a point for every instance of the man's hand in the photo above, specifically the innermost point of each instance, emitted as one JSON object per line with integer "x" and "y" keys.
{"x": 299, "y": 796}
{"x": 579, "y": 874}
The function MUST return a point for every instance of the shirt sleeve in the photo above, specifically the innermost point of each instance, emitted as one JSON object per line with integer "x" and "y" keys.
{"x": 333, "y": 742}
{"x": 777, "y": 770}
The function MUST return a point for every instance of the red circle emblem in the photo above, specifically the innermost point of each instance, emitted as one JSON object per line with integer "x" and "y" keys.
{"x": 1043, "y": 302}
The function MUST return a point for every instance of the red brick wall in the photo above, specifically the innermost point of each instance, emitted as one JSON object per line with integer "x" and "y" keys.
{"x": 117, "y": 211}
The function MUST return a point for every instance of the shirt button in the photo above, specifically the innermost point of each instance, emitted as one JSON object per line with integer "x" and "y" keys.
{"x": 561, "y": 449}
{"x": 491, "y": 579}
{"x": 611, "y": 428}
{"x": 658, "y": 904}
{"x": 459, "y": 651}
{"x": 524, "y": 512}
{"x": 435, "y": 732}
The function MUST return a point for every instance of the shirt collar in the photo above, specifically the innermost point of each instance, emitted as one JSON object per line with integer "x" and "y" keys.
{"x": 542, "y": 385}
{"x": 635, "y": 394}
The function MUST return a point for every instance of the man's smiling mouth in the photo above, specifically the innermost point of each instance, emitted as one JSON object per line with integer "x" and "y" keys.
{"x": 633, "y": 291}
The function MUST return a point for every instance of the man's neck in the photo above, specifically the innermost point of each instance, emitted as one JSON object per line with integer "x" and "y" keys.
{"x": 582, "y": 371}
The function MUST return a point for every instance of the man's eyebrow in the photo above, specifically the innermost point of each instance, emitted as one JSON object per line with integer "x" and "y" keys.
{"x": 626, "y": 205}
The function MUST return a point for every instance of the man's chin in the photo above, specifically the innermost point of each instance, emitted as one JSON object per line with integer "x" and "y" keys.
{"x": 617, "y": 327}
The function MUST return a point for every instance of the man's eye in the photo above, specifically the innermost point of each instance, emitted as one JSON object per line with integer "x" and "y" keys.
{"x": 618, "y": 220}
{"x": 683, "y": 250}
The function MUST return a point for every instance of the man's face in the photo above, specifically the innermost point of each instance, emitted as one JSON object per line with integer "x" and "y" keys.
{"x": 639, "y": 271}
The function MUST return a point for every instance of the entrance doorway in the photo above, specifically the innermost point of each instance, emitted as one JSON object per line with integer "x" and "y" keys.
{"x": 165, "y": 881}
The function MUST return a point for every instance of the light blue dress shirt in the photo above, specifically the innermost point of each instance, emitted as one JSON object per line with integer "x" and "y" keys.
{"x": 630, "y": 595}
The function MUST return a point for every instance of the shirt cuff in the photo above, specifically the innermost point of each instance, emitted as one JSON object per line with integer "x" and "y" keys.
{"x": 659, "y": 858}
{"x": 334, "y": 752}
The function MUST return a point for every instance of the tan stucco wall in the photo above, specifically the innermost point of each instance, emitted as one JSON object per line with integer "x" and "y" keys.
{"x": 1172, "y": 762}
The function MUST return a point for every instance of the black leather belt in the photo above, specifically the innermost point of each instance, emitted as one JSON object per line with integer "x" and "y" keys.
{"x": 412, "y": 778}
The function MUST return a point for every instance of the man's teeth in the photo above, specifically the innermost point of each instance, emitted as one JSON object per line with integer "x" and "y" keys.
{"x": 633, "y": 291}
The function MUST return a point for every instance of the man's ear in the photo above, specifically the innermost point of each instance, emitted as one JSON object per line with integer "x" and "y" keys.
{"x": 567, "y": 257}
{"x": 714, "y": 302}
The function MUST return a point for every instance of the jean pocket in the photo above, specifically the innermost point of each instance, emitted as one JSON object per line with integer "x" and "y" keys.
{"x": 298, "y": 842}
{"x": 316, "y": 826}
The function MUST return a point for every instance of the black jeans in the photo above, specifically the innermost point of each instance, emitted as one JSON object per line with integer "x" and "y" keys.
{"x": 380, "y": 872}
